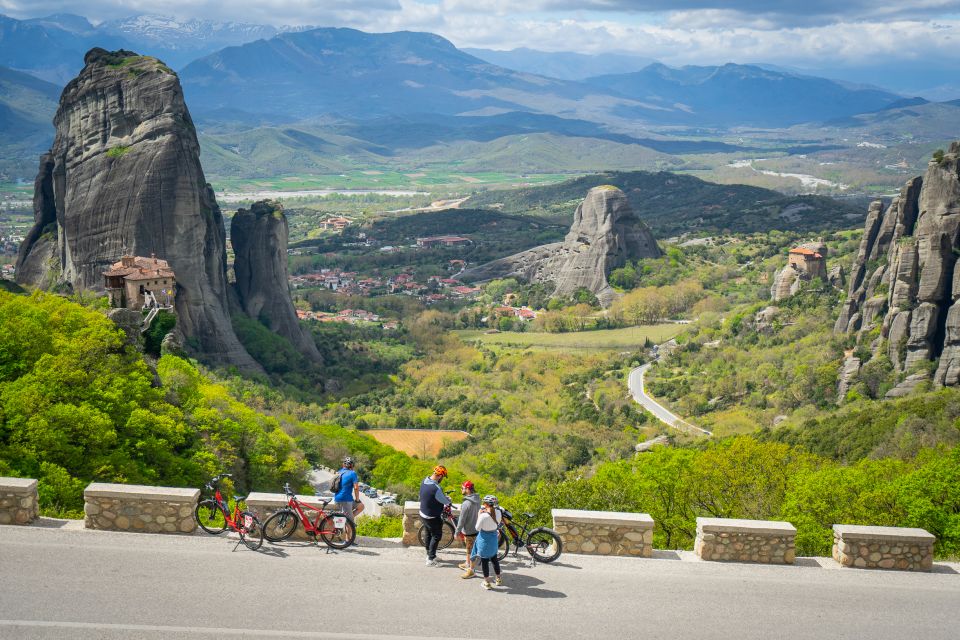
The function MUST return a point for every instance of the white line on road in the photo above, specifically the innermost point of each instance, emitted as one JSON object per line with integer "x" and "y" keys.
{"x": 218, "y": 631}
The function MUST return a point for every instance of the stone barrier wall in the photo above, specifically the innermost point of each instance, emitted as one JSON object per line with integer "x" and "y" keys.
{"x": 264, "y": 505}
{"x": 19, "y": 503}
{"x": 130, "y": 507}
{"x": 604, "y": 533}
{"x": 412, "y": 524}
{"x": 883, "y": 547}
{"x": 761, "y": 541}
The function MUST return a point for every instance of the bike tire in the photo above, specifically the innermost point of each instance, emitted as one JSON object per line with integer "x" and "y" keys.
{"x": 503, "y": 545}
{"x": 209, "y": 517}
{"x": 446, "y": 536}
{"x": 337, "y": 538}
{"x": 251, "y": 536}
{"x": 544, "y": 544}
{"x": 280, "y": 525}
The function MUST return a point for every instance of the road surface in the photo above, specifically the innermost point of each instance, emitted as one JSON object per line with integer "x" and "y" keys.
{"x": 79, "y": 584}
{"x": 635, "y": 384}
{"x": 320, "y": 479}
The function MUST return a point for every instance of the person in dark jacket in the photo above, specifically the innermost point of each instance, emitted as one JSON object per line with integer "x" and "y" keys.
{"x": 467, "y": 524}
{"x": 432, "y": 501}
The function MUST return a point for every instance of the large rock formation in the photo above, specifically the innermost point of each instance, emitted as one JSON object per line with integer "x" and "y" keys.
{"x": 604, "y": 235}
{"x": 124, "y": 177}
{"x": 903, "y": 278}
{"x": 259, "y": 237}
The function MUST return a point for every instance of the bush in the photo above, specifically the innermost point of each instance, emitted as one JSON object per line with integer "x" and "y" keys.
{"x": 384, "y": 526}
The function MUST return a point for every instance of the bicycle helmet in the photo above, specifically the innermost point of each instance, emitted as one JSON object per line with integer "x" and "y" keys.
{"x": 467, "y": 485}
{"x": 440, "y": 470}
{"x": 490, "y": 500}
{"x": 348, "y": 462}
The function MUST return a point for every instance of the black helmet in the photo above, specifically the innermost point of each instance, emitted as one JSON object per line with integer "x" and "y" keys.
{"x": 348, "y": 462}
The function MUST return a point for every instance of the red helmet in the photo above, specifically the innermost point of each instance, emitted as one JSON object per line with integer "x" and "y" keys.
{"x": 440, "y": 470}
{"x": 467, "y": 485}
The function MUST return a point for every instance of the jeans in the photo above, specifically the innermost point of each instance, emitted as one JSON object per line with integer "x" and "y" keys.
{"x": 435, "y": 529}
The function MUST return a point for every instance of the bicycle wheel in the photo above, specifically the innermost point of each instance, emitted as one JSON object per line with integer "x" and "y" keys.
{"x": 280, "y": 525}
{"x": 544, "y": 544}
{"x": 503, "y": 545}
{"x": 337, "y": 538}
{"x": 209, "y": 516}
{"x": 251, "y": 531}
{"x": 446, "y": 536}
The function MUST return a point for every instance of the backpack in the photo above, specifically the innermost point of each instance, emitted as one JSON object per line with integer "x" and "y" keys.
{"x": 337, "y": 483}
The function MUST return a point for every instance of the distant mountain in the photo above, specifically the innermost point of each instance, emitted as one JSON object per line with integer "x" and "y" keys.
{"x": 565, "y": 65}
{"x": 735, "y": 94}
{"x": 360, "y": 75}
{"x": 27, "y": 105}
{"x": 52, "y": 47}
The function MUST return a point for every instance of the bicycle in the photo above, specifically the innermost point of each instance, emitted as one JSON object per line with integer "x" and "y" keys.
{"x": 214, "y": 516}
{"x": 448, "y": 526}
{"x": 541, "y": 543}
{"x": 334, "y": 528}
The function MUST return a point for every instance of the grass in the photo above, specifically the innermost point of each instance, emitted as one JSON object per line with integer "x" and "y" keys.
{"x": 425, "y": 443}
{"x": 627, "y": 339}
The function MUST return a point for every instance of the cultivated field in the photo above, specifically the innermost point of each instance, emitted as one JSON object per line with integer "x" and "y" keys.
{"x": 424, "y": 443}
{"x": 628, "y": 339}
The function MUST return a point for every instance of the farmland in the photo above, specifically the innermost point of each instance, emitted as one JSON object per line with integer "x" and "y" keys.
{"x": 627, "y": 339}
{"x": 423, "y": 443}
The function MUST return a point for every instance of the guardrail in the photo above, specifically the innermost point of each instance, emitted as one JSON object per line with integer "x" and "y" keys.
{"x": 883, "y": 547}
{"x": 605, "y": 533}
{"x": 132, "y": 507}
{"x": 19, "y": 502}
{"x": 763, "y": 541}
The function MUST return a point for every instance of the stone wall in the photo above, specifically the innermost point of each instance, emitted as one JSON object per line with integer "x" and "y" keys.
{"x": 745, "y": 540}
{"x": 604, "y": 533}
{"x": 265, "y": 505}
{"x": 883, "y": 547}
{"x": 138, "y": 508}
{"x": 18, "y": 500}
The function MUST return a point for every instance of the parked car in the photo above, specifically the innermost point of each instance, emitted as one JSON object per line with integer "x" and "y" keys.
{"x": 371, "y": 492}
{"x": 386, "y": 500}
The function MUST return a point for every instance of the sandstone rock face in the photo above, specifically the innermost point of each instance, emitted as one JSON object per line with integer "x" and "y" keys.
{"x": 124, "y": 176}
{"x": 604, "y": 235}
{"x": 851, "y": 367}
{"x": 259, "y": 236}
{"x": 918, "y": 236}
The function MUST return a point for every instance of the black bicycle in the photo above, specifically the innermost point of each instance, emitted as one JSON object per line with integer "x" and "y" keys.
{"x": 543, "y": 544}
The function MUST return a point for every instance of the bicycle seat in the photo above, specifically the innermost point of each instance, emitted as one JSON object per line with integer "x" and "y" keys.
{"x": 239, "y": 498}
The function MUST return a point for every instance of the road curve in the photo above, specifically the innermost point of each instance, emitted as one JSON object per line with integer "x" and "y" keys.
{"x": 635, "y": 384}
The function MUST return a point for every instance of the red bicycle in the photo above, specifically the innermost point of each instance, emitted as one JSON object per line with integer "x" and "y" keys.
{"x": 334, "y": 528}
{"x": 214, "y": 516}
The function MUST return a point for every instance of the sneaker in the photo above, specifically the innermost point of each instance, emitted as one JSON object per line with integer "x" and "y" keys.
{"x": 462, "y": 565}
{"x": 432, "y": 563}
{"x": 486, "y": 585}
{"x": 468, "y": 574}
{"x": 499, "y": 581}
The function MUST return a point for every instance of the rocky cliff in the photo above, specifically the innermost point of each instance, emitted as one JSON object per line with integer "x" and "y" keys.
{"x": 903, "y": 279}
{"x": 259, "y": 237}
{"x": 604, "y": 235}
{"x": 124, "y": 176}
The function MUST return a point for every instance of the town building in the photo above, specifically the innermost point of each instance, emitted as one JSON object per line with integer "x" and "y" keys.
{"x": 338, "y": 223}
{"x": 442, "y": 241}
{"x": 136, "y": 283}
{"x": 808, "y": 261}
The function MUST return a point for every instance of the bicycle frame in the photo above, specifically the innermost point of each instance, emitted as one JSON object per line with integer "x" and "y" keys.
{"x": 232, "y": 519}
{"x": 308, "y": 525}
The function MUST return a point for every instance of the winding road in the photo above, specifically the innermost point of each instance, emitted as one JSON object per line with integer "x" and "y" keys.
{"x": 635, "y": 384}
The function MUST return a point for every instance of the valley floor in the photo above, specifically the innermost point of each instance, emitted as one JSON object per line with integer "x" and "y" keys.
{"x": 92, "y": 584}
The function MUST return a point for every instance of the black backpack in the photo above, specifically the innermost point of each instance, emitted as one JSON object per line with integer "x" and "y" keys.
{"x": 336, "y": 483}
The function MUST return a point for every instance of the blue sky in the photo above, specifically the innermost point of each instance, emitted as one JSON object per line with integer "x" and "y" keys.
{"x": 808, "y": 34}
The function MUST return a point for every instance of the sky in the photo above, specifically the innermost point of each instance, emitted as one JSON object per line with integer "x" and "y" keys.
{"x": 808, "y": 34}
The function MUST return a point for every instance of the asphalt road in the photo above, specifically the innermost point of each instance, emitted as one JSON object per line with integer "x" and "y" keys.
{"x": 80, "y": 584}
{"x": 635, "y": 384}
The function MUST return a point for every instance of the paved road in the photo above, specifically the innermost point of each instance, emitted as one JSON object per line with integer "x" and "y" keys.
{"x": 320, "y": 479}
{"x": 80, "y": 584}
{"x": 635, "y": 384}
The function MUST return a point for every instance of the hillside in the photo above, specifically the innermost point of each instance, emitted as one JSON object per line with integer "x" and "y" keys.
{"x": 671, "y": 204}
{"x": 734, "y": 94}
{"x": 27, "y": 105}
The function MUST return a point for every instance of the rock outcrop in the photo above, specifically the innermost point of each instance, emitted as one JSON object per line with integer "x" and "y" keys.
{"x": 904, "y": 278}
{"x": 604, "y": 235}
{"x": 806, "y": 262}
{"x": 259, "y": 237}
{"x": 124, "y": 176}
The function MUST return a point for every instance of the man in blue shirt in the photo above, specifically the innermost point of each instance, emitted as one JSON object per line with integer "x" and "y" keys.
{"x": 349, "y": 494}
